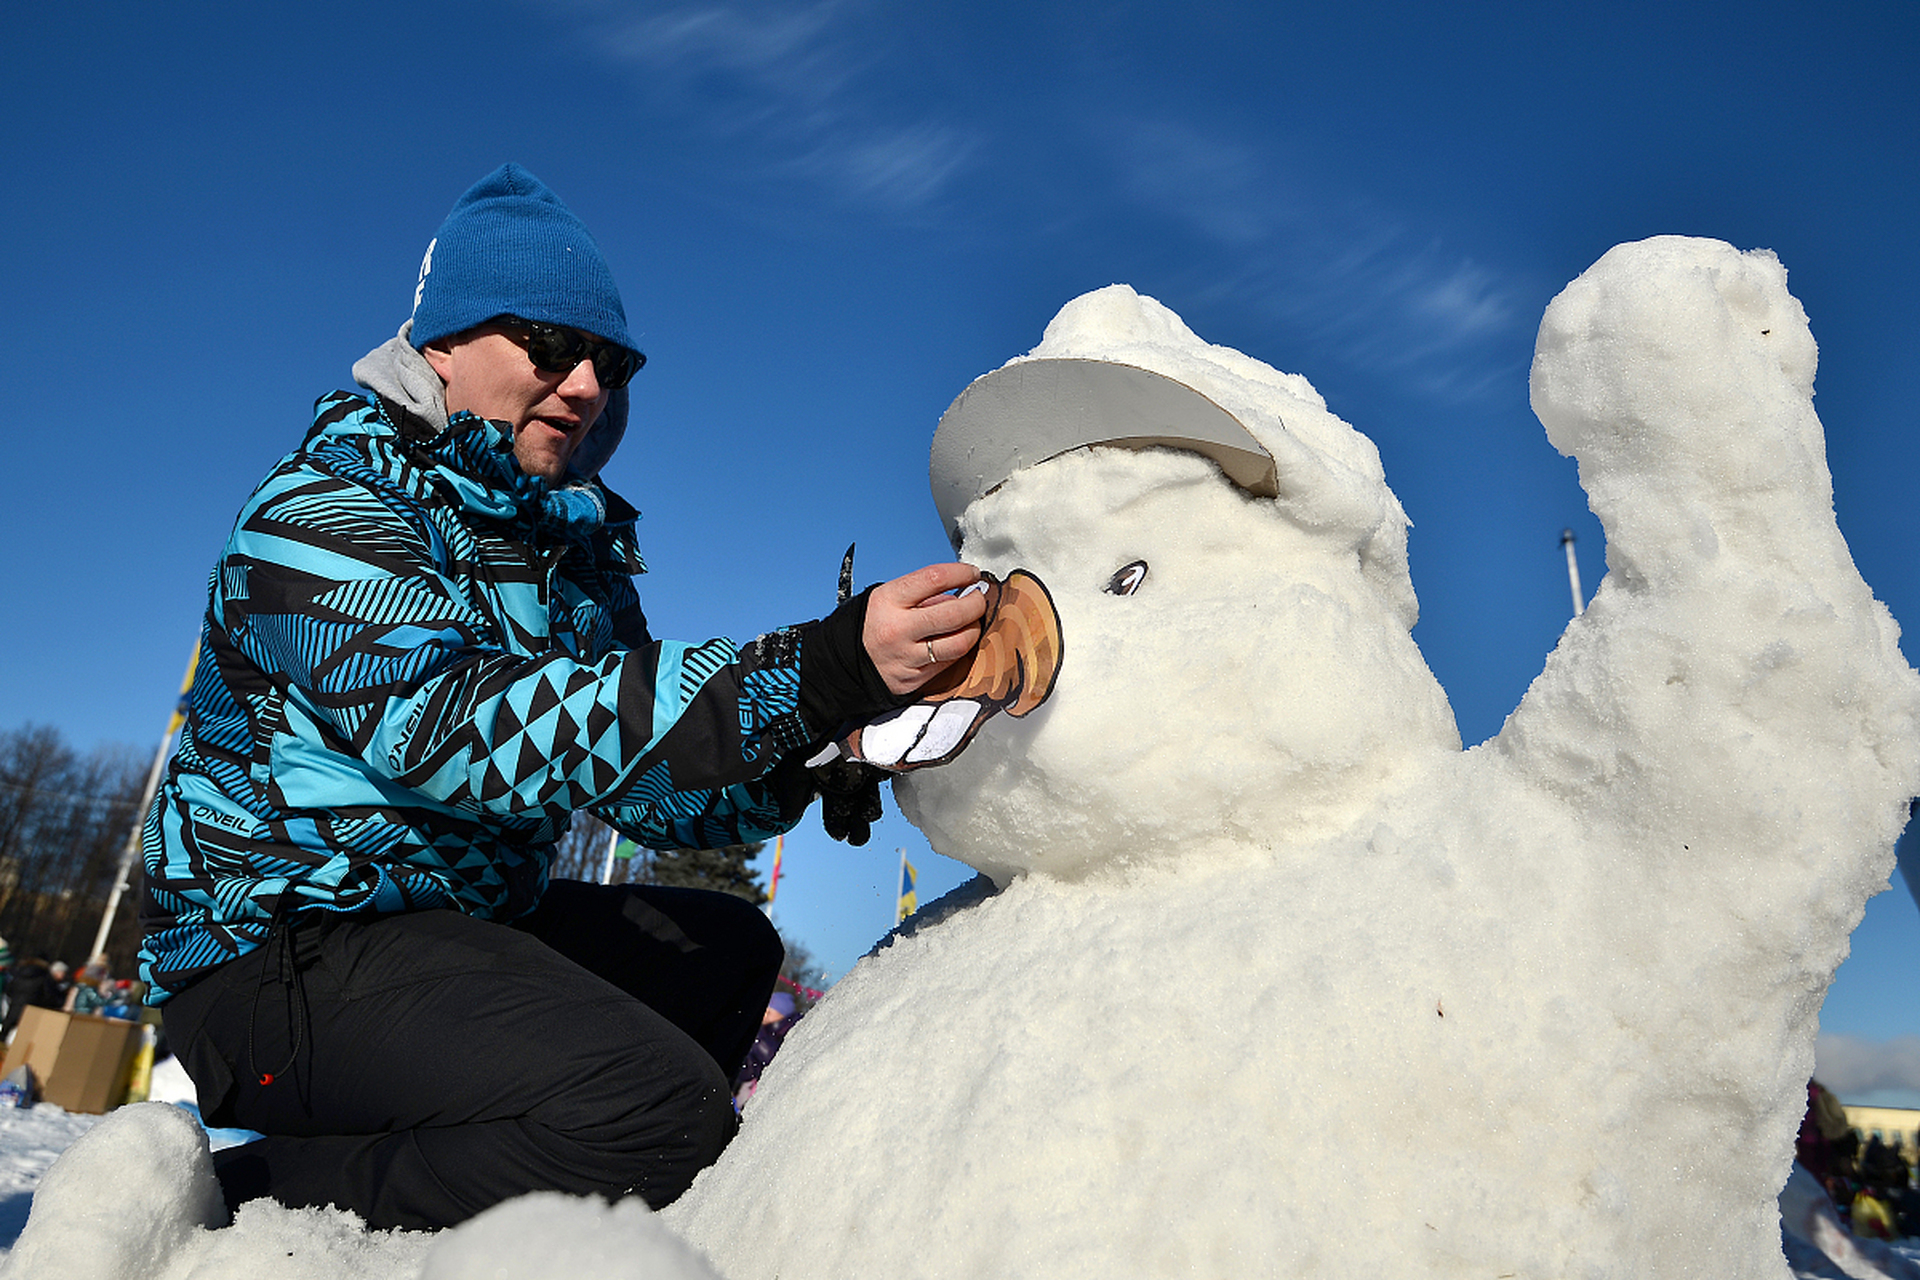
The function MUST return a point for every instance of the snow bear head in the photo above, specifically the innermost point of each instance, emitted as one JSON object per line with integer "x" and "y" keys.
{"x": 1237, "y": 662}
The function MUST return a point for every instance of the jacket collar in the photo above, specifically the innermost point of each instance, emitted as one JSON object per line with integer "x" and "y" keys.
{"x": 473, "y": 459}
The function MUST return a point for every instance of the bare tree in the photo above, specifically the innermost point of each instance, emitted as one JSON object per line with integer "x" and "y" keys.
{"x": 803, "y": 970}
{"x": 582, "y": 852}
{"x": 63, "y": 821}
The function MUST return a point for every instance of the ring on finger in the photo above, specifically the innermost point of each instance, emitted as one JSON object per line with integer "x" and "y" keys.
{"x": 933, "y": 659}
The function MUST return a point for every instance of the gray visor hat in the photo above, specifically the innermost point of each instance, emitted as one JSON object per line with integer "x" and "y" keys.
{"x": 1024, "y": 413}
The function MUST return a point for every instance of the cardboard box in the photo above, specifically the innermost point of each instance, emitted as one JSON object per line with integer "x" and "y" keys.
{"x": 80, "y": 1060}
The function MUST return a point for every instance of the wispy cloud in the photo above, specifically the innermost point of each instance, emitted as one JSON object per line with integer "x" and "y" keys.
{"x": 1851, "y": 1066}
{"x": 906, "y": 167}
{"x": 753, "y": 62}
{"x": 1329, "y": 259}
{"x": 795, "y": 81}
{"x": 842, "y": 100}
{"x": 1467, "y": 301}
{"x": 1206, "y": 181}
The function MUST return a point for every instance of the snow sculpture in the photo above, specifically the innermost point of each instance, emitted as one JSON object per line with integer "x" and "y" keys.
{"x": 80, "y": 1225}
{"x": 1265, "y": 975}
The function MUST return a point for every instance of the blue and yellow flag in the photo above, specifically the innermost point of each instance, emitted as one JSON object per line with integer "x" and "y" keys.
{"x": 186, "y": 692}
{"x": 909, "y": 901}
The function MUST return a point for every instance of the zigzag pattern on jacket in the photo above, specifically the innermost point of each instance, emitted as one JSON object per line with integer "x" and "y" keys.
{"x": 416, "y": 666}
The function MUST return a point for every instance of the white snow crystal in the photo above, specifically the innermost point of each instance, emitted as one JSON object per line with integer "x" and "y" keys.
{"x": 122, "y": 1200}
{"x": 549, "y": 1234}
{"x": 1277, "y": 980}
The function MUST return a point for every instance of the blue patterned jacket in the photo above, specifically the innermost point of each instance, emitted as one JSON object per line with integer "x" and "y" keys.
{"x": 417, "y": 663}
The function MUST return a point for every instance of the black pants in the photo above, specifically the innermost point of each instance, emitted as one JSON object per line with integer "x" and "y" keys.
{"x": 425, "y": 1067}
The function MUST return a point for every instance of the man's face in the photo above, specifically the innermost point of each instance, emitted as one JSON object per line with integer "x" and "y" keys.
{"x": 487, "y": 373}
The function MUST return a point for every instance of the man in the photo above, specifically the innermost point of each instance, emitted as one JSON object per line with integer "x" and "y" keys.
{"x": 422, "y": 655}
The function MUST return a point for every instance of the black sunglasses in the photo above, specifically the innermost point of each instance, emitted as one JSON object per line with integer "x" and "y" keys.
{"x": 560, "y": 350}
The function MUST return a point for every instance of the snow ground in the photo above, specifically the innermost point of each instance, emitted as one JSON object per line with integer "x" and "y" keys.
{"x": 30, "y": 1140}
{"x": 534, "y": 1238}
{"x": 130, "y": 1205}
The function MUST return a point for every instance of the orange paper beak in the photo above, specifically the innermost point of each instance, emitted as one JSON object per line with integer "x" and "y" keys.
{"x": 1012, "y": 669}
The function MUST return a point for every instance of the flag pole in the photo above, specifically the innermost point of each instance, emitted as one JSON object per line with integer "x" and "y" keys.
{"x": 1573, "y": 572}
{"x": 613, "y": 842}
{"x": 132, "y": 849}
{"x": 773, "y": 881}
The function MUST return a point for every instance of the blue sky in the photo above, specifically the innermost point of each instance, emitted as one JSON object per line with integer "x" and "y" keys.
{"x": 827, "y": 218}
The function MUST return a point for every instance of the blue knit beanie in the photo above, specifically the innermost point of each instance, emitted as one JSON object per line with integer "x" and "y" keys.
{"x": 511, "y": 248}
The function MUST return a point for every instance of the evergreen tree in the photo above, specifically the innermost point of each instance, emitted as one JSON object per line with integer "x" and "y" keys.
{"x": 582, "y": 855}
{"x": 729, "y": 870}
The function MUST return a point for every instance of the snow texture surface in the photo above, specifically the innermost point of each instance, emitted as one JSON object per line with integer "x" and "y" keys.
{"x": 1264, "y": 974}
{"x": 1276, "y": 978}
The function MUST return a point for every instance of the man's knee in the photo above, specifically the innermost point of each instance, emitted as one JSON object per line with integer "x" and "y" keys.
{"x": 668, "y": 1171}
{"x": 655, "y": 1147}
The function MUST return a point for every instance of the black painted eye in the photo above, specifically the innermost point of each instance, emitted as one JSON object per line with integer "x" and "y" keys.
{"x": 1126, "y": 579}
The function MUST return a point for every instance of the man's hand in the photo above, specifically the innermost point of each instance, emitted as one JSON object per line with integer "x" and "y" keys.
{"x": 915, "y": 630}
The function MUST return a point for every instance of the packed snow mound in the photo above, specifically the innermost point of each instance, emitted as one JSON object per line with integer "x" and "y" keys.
{"x": 82, "y": 1226}
{"x": 135, "y": 1198}
{"x": 1310, "y": 991}
{"x": 549, "y": 1234}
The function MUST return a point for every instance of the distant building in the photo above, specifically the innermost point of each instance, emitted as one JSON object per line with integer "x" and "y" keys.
{"x": 1892, "y": 1125}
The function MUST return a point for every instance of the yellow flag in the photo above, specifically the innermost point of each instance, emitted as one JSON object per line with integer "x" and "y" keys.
{"x": 909, "y": 901}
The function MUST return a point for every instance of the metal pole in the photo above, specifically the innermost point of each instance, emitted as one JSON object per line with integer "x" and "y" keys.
{"x": 1573, "y": 572}
{"x": 132, "y": 850}
{"x": 773, "y": 881}
{"x": 606, "y": 871}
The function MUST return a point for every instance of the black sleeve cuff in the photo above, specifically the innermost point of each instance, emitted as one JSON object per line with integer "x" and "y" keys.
{"x": 839, "y": 685}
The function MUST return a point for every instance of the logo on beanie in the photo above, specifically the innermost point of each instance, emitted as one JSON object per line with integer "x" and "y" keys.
{"x": 426, "y": 266}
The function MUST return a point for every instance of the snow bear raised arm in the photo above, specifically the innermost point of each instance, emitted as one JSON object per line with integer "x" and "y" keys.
{"x": 1679, "y": 373}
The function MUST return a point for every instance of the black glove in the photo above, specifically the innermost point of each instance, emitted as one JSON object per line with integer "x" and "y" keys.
{"x": 792, "y": 786}
{"x": 849, "y": 799}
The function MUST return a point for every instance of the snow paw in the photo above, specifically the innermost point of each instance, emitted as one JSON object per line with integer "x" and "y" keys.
{"x": 1679, "y": 372}
{"x": 78, "y": 1228}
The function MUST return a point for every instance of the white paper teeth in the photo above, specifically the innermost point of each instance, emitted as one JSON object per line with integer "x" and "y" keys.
{"x": 916, "y": 734}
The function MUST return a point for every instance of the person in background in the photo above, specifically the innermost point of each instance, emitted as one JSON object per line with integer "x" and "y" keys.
{"x": 31, "y": 985}
{"x": 122, "y": 1000}
{"x": 1826, "y": 1142}
{"x": 85, "y": 995}
{"x": 1871, "y": 1215}
{"x": 422, "y": 655}
{"x": 1881, "y": 1165}
{"x": 779, "y": 1018}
